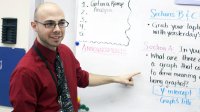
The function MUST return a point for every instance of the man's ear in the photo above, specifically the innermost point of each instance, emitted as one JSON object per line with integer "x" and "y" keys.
{"x": 33, "y": 25}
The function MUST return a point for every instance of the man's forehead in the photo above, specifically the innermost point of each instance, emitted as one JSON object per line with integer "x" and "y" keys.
{"x": 47, "y": 5}
{"x": 50, "y": 11}
{"x": 48, "y": 8}
{"x": 59, "y": 20}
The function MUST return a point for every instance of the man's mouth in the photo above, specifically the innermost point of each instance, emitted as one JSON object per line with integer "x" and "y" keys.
{"x": 56, "y": 37}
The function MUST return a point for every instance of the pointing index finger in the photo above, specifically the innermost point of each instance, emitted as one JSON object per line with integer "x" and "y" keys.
{"x": 137, "y": 73}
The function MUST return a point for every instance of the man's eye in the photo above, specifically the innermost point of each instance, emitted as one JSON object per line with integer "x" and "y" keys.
{"x": 61, "y": 23}
{"x": 49, "y": 24}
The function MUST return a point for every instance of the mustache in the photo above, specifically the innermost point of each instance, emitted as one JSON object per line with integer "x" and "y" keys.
{"x": 57, "y": 34}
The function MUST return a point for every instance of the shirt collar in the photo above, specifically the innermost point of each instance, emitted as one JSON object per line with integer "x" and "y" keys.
{"x": 49, "y": 54}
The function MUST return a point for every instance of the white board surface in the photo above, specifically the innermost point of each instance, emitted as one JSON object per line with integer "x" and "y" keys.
{"x": 159, "y": 38}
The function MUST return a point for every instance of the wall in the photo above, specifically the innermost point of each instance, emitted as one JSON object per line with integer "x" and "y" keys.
{"x": 20, "y": 9}
{"x": 25, "y": 34}
{"x": 32, "y": 35}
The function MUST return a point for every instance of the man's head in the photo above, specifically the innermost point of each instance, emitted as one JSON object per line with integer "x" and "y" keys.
{"x": 49, "y": 23}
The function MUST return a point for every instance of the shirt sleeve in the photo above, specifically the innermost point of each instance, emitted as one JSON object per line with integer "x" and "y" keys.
{"x": 23, "y": 91}
{"x": 82, "y": 76}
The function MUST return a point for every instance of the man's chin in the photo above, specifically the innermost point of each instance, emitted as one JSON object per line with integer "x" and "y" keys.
{"x": 56, "y": 45}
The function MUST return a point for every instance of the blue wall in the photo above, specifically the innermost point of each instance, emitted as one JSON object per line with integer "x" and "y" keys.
{"x": 9, "y": 58}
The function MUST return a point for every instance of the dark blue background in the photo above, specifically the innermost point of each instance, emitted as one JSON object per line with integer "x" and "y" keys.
{"x": 9, "y": 58}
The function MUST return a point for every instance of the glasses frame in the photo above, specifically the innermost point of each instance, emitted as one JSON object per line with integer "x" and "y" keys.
{"x": 56, "y": 23}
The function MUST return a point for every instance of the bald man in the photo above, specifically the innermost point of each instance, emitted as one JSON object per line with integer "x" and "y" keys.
{"x": 34, "y": 83}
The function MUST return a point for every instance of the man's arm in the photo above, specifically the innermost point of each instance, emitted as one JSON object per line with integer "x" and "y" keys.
{"x": 22, "y": 92}
{"x": 95, "y": 80}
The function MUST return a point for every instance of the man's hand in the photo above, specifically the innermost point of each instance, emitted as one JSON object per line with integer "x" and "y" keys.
{"x": 127, "y": 79}
{"x": 96, "y": 80}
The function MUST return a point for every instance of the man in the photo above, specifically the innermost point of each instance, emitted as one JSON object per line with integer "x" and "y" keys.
{"x": 38, "y": 83}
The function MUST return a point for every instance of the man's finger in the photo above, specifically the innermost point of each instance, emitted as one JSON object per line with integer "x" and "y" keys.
{"x": 137, "y": 73}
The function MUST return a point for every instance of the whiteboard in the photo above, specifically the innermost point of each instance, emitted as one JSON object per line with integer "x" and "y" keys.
{"x": 160, "y": 38}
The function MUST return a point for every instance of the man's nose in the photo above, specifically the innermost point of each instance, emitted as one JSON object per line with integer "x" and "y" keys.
{"x": 57, "y": 28}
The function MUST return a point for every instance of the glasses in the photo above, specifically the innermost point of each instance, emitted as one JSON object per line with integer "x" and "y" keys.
{"x": 52, "y": 24}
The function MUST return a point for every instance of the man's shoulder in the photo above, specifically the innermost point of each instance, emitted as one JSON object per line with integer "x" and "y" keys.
{"x": 28, "y": 61}
{"x": 64, "y": 48}
{"x": 66, "y": 52}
